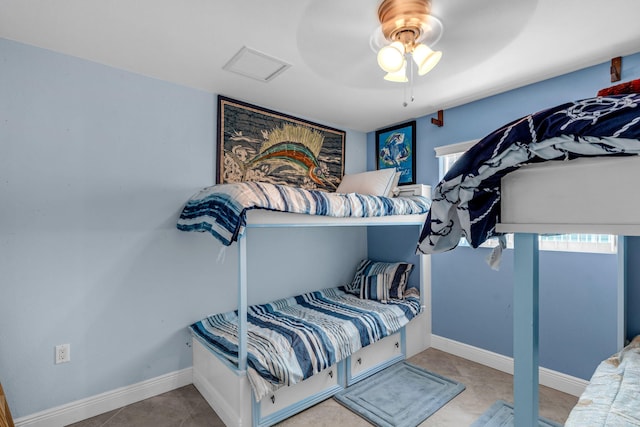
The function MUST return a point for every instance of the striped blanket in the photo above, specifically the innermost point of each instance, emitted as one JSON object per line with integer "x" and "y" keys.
{"x": 221, "y": 209}
{"x": 291, "y": 339}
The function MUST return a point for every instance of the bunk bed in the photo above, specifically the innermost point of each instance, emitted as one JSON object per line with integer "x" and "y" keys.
{"x": 590, "y": 152}
{"x": 228, "y": 364}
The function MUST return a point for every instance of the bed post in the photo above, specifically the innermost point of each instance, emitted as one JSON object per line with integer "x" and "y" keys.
{"x": 622, "y": 293}
{"x": 525, "y": 331}
{"x": 425, "y": 296}
{"x": 242, "y": 303}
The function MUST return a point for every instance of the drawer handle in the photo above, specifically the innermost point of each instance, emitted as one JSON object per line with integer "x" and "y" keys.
{"x": 273, "y": 398}
{"x": 397, "y": 344}
{"x": 359, "y": 360}
{"x": 331, "y": 374}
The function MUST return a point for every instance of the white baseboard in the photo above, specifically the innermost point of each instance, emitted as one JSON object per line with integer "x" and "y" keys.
{"x": 108, "y": 401}
{"x": 556, "y": 380}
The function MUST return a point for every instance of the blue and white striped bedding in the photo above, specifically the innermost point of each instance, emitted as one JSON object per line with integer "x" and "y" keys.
{"x": 291, "y": 339}
{"x": 221, "y": 209}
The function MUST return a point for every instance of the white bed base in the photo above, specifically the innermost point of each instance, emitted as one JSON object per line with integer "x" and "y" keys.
{"x": 228, "y": 392}
{"x": 594, "y": 195}
{"x": 226, "y": 387}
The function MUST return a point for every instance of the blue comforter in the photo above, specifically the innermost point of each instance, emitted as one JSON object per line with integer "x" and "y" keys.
{"x": 291, "y": 339}
{"x": 467, "y": 201}
{"x": 221, "y": 209}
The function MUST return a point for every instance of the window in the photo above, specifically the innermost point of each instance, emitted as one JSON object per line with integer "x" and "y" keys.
{"x": 448, "y": 154}
{"x": 594, "y": 243}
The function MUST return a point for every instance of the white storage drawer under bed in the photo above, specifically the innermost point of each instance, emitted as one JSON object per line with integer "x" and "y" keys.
{"x": 375, "y": 357}
{"x": 325, "y": 383}
{"x": 229, "y": 394}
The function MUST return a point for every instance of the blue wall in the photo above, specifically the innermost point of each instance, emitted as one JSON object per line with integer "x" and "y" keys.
{"x": 392, "y": 244}
{"x": 471, "y": 303}
{"x": 94, "y": 165}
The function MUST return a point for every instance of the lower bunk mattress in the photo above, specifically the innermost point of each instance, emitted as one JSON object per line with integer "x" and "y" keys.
{"x": 612, "y": 397}
{"x": 291, "y": 339}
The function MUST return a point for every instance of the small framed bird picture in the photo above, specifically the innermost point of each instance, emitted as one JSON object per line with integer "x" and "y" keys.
{"x": 396, "y": 148}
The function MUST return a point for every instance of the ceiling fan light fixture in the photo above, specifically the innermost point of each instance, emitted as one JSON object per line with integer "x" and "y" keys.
{"x": 406, "y": 27}
{"x": 425, "y": 58}
{"x": 391, "y": 57}
{"x": 399, "y": 76}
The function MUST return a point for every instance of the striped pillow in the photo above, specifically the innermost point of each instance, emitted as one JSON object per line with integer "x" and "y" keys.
{"x": 375, "y": 287}
{"x": 380, "y": 280}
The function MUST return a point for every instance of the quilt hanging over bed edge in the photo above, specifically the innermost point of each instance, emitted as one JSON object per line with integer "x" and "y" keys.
{"x": 466, "y": 203}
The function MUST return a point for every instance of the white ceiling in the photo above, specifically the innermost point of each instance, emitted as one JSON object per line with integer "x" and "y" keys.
{"x": 489, "y": 46}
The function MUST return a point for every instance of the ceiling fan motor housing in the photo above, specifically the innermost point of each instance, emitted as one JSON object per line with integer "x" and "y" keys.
{"x": 404, "y": 20}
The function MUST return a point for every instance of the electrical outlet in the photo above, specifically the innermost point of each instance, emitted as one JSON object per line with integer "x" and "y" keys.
{"x": 63, "y": 353}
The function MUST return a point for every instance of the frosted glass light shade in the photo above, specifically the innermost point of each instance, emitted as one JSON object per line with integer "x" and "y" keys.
{"x": 399, "y": 76}
{"x": 391, "y": 57}
{"x": 425, "y": 58}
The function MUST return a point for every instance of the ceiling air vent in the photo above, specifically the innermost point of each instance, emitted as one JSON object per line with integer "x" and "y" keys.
{"x": 257, "y": 65}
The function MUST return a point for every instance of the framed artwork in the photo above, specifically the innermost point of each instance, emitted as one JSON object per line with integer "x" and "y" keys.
{"x": 257, "y": 144}
{"x": 396, "y": 148}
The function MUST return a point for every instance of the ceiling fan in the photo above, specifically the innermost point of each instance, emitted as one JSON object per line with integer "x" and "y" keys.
{"x": 339, "y": 40}
{"x": 406, "y": 29}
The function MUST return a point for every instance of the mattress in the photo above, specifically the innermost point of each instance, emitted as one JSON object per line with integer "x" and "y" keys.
{"x": 292, "y": 339}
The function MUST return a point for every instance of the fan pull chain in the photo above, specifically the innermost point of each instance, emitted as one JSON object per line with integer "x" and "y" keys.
{"x": 410, "y": 84}
{"x": 404, "y": 94}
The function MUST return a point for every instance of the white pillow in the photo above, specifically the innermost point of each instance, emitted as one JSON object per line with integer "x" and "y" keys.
{"x": 375, "y": 183}
{"x": 394, "y": 185}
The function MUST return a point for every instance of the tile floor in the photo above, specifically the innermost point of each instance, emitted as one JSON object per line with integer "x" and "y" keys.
{"x": 185, "y": 407}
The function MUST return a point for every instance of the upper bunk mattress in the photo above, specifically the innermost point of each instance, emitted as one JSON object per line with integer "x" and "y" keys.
{"x": 467, "y": 201}
{"x": 221, "y": 209}
{"x": 291, "y": 339}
